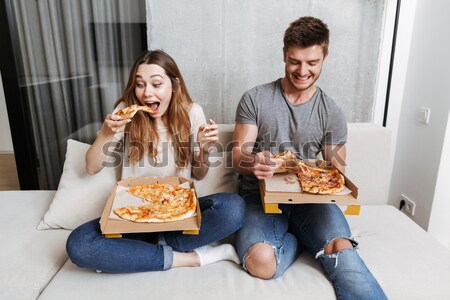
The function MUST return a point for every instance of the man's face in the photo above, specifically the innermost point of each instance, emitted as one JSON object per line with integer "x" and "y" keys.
{"x": 303, "y": 66}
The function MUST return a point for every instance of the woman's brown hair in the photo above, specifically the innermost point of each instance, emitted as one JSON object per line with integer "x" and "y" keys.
{"x": 143, "y": 134}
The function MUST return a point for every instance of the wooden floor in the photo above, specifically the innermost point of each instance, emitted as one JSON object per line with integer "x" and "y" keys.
{"x": 8, "y": 173}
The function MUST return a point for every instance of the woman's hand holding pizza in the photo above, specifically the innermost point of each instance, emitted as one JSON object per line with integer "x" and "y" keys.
{"x": 115, "y": 123}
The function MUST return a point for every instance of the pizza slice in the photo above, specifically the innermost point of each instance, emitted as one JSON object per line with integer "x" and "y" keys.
{"x": 130, "y": 111}
{"x": 149, "y": 213}
{"x": 315, "y": 180}
{"x": 290, "y": 162}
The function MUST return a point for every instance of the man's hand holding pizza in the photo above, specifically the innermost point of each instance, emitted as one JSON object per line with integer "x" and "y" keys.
{"x": 264, "y": 164}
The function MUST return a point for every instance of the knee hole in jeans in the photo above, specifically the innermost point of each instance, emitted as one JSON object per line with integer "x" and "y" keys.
{"x": 260, "y": 261}
{"x": 337, "y": 245}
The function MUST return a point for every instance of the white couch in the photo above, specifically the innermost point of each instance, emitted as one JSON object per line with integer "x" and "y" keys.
{"x": 407, "y": 261}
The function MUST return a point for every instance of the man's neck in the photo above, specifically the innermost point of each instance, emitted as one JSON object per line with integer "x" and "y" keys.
{"x": 295, "y": 96}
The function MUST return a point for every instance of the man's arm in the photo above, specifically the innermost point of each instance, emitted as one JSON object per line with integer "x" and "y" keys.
{"x": 244, "y": 161}
{"x": 336, "y": 154}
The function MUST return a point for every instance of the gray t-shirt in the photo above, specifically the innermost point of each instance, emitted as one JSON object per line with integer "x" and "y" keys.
{"x": 302, "y": 128}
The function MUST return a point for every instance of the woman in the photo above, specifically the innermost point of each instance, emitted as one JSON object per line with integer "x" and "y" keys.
{"x": 158, "y": 144}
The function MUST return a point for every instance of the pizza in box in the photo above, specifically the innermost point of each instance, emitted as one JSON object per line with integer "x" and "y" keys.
{"x": 313, "y": 179}
{"x": 161, "y": 202}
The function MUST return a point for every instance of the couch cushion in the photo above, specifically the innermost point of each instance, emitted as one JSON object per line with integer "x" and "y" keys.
{"x": 223, "y": 280}
{"x": 407, "y": 261}
{"x": 28, "y": 258}
{"x": 220, "y": 176}
{"x": 368, "y": 161}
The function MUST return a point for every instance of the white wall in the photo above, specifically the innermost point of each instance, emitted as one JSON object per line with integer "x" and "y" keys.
{"x": 224, "y": 48}
{"x": 439, "y": 224}
{"x": 6, "y": 145}
{"x": 423, "y": 82}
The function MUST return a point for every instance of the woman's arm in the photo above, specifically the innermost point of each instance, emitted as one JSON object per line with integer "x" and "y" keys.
{"x": 97, "y": 153}
{"x": 206, "y": 135}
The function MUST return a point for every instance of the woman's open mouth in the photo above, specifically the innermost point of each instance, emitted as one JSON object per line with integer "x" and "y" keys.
{"x": 153, "y": 105}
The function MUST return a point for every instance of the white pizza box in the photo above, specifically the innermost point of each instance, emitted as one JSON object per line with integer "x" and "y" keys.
{"x": 113, "y": 227}
{"x": 284, "y": 188}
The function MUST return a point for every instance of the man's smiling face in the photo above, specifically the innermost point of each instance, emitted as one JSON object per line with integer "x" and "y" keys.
{"x": 303, "y": 66}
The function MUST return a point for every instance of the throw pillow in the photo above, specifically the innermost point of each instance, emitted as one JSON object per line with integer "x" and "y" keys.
{"x": 80, "y": 197}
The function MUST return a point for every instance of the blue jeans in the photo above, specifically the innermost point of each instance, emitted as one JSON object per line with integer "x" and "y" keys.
{"x": 222, "y": 214}
{"x": 310, "y": 227}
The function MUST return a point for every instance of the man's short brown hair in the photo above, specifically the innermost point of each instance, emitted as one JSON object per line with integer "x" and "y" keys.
{"x": 306, "y": 32}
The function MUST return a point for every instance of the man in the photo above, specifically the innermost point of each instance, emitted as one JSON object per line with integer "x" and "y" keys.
{"x": 293, "y": 113}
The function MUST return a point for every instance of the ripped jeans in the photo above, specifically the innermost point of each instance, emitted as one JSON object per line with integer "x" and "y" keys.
{"x": 310, "y": 227}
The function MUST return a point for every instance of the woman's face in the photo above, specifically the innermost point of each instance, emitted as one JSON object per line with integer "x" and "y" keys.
{"x": 153, "y": 88}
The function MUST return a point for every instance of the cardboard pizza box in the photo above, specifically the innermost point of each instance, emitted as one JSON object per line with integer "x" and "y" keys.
{"x": 113, "y": 227}
{"x": 284, "y": 188}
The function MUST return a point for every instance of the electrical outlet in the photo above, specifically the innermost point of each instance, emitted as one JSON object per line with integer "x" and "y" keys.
{"x": 410, "y": 206}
